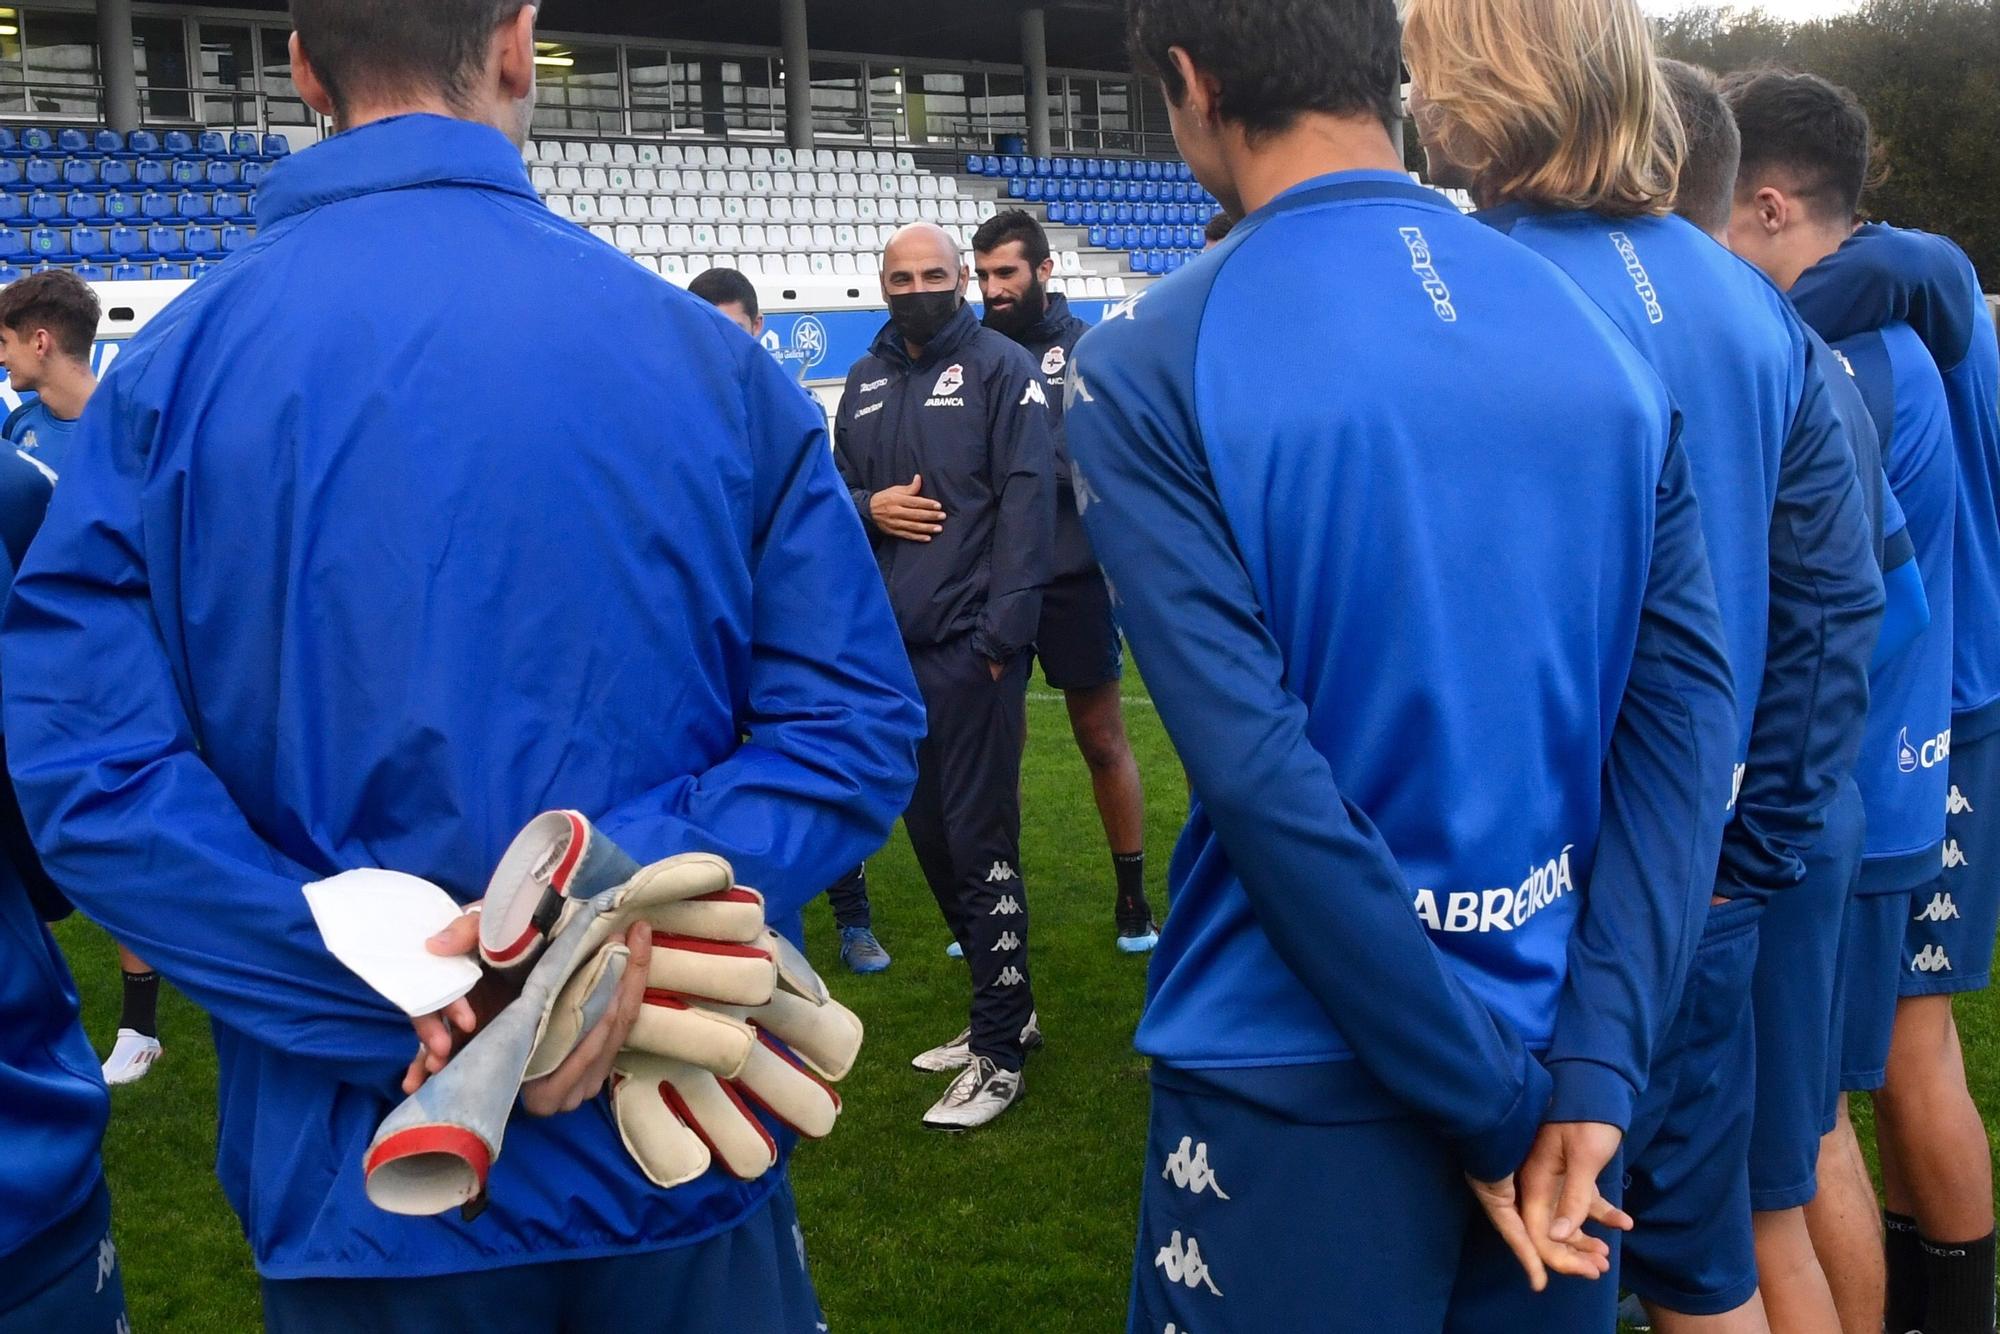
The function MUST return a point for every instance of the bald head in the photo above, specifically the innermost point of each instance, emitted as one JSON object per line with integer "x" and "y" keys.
{"x": 921, "y": 257}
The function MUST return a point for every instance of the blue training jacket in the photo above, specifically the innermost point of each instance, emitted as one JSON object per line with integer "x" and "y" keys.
{"x": 34, "y": 428}
{"x": 1782, "y": 510}
{"x": 53, "y": 1103}
{"x": 1883, "y": 274}
{"x": 1905, "y": 756}
{"x": 1429, "y": 620}
{"x": 323, "y": 588}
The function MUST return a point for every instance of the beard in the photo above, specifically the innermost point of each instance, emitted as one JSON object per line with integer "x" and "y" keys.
{"x": 1020, "y": 315}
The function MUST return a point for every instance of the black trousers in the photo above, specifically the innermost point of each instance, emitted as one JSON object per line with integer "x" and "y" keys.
{"x": 849, "y": 897}
{"x": 965, "y": 824}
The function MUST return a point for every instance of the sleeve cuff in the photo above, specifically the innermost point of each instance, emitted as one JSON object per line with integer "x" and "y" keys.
{"x": 861, "y": 507}
{"x": 1496, "y": 1152}
{"x": 1588, "y": 1091}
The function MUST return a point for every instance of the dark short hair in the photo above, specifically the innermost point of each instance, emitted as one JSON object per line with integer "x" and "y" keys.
{"x": 1808, "y": 127}
{"x": 1276, "y": 60}
{"x": 726, "y": 287}
{"x": 1707, "y": 184}
{"x": 1219, "y": 226}
{"x": 57, "y": 301}
{"x": 391, "y": 48}
{"x": 1013, "y": 224}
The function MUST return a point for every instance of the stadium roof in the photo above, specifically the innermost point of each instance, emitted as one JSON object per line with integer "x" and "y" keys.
{"x": 1082, "y": 34}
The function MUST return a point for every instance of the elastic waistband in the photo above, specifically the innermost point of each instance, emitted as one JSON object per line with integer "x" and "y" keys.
{"x": 1975, "y": 724}
{"x": 1901, "y": 872}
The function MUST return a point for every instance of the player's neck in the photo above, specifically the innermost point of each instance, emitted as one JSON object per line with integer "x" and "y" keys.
{"x": 66, "y": 389}
{"x": 1315, "y": 145}
{"x": 1812, "y": 246}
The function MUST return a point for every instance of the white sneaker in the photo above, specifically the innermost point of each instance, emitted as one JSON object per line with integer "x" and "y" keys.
{"x": 957, "y": 1054}
{"x": 980, "y": 1093}
{"x": 131, "y": 1057}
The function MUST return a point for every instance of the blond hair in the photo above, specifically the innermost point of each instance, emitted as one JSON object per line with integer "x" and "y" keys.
{"x": 1555, "y": 102}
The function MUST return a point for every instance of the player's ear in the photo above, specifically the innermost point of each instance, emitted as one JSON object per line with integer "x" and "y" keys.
{"x": 1774, "y": 210}
{"x": 306, "y": 79}
{"x": 1203, "y": 93}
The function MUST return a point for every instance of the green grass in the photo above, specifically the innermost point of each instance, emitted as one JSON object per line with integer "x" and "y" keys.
{"x": 908, "y": 1230}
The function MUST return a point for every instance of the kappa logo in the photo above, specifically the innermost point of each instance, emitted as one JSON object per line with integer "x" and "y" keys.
{"x": 1008, "y": 906}
{"x": 1128, "y": 309}
{"x": 1427, "y": 274}
{"x": 1931, "y": 959}
{"x": 1183, "y": 1264}
{"x": 1033, "y": 394}
{"x": 1086, "y": 494}
{"x": 1011, "y": 976}
{"x": 1641, "y": 282}
{"x": 1000, "y": 873}
{"x": 107, "y": 1261}
{"x": 1932, "y": 753}
{"x": 1953, "y": 858}
{"x": 1075, "y": 391}
{"x": 1054, "y": 360}
{"x": 1187, "y": 1167}
{"x": 1939, "y": 909}
{"x": 1956, "y": 804}
{"x": 1736, "y": 785}
{"x": 1008, "y": 941}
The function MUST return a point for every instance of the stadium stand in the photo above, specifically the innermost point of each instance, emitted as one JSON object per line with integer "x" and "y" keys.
{"x": 148, "y": 204}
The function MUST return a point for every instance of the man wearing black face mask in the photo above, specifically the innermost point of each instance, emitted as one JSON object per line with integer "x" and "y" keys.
{"x": 1077, "y": 641}
{"x": 943, "y": 439}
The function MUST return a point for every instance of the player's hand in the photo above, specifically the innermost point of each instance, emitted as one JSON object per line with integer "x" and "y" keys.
{"x": 1558, "y": 1195}
{"x": 441, "y": 1033}
{"x": 999, "y": 669}
{"x": 903, "y": 511}
{"x": 584, "y": 1072}
{"x": 1503, "y": 1210}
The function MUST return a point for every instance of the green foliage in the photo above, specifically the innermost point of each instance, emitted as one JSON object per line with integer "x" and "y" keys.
{"x": 1929, "y": 73}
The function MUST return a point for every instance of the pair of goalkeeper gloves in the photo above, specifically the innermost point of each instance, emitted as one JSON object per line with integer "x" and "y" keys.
{"x": 734, "y": 1019}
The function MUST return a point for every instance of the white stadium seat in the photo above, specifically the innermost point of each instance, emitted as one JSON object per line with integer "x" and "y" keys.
{"x": 722, "y": 261}
{"x": 687, "y": 207}
{"x": 843, "y": 263}
{"x": 648, "y": 263}
{"x": 594, "y": 181}
{"x": 583, "y": 208}
{"x": 711, "y": 208}
{"x": 757, "y": 209}
{"x": 750, "y": 266}
{"x": 904, "y": 162}
{"x": 575, "y": 154}
{"x": 653, "y": 239}
{"x": 559, "y": 205}
{"x": 627, "y": 238}
{"x": 715, "y": 182}
{"x": 846, "y": 183}
{"x": 781, "y": 159}
{"x": 799, "y": 236}
{"x": 739, "y": 182}
{"x": 623, "y": 154}
{"x": 760, "y": 157}
{"x": 569, "y": 180}
{"x": 604, "y": 234}
{"x": 645, "y": 181}
{"x": 739, "y": 157}
{"x": 822, "y": 237}
{"x": 927, "y": 187}
{"x": 871, "y": 263}
{"x": 680, "y": 240}
{"x": 672, "y": 264}
{"x": 753, "y": 237}
{"x": 671, "y": 156}
{"x": 823, "y": 210}
{"x": 866, "y": 210}
{"x": 620, "y": 180}
{"x": 696, "y": 156}
{"x": 783, "y": 183}
{"x": 845, "y": 211}
{"x": 704, "y": 236}
{"x": 845, "y": 238}
{"x": 797, "y": 265}
{"x": 781, "y": 209}
{"x": 732, "y": 207}
{"x": 1070, "y": 263}
{"x": 1114, "y": 285}
{"x": 660, "y": 208}
{"x": 760, "y": 183}
{"x": 821, "y": 263}
{"x": 601, "y": 153}
{"x": 844, "y": 160}
{"x": 543, "y": 179}
{"x": 987, "y": 208}
{"x": 610, "y": 208}
{"x": 947, "y": 187}
{"x": 906, "y": 209}
{"x": 825, "y": 183}
{"x": 649, "y": 155}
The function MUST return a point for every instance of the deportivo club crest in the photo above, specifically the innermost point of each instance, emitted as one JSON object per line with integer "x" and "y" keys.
{"x": 1054, "y": 361}
{"x": 950, "y": 381}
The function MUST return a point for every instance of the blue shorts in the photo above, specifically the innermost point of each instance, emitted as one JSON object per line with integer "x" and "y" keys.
{"x": 1253, "y": 1221}
{"x": 1948, "y": 942}
{"x": 749, "y": 1280}
{"x": 1687, "y": 1163}
{"x": 81, "y": 1293}
{"x": 1077, "y": 642}
{"x": 1797, "y": 1023}
{"x": 1871, "y": 957}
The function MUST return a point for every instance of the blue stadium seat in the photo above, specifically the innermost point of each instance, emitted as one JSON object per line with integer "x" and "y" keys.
{"x": 109, "y": 142}
{"x": 150, "y": 171}
{"x": 1092, "y": 168}
{"x": 46, "y": 241}
{"x": 243, "y": 144}
{"x": 1137, "y": 263}
{"x": 128, "y": 272}
{"x": 974, "y": 165}
{"x": 1174, "y": 261}
{"x": 158, "y": 204}
{"x": 1122, "y": 214}
{"x": 1149, "y": 237}
{"x": 276, "y": 146}
{"x": 10, "y": 174}
{"x": 43, "y": 205}
{"x": 73, "y": 141}
{"x": 169, "y": 269}
{"x": 234, "y": 238}
{"x": 192, "y": 205}
{"x": 1044, "y": 167}
{"x": 177, "y": 143}
{"x": 13, "y": 207}
{"x": 13, "y": 243}
{"x": 163, "y": 240}
{"x": 1009, "y": 166}
{"x": 254, "y": 173}
{"x": 8, "y": 274}
{"x": 142, "y": 141}
{"x": 1156, "y": 214}
{"x": 126, "y": 240}
{"x": 41, "y": 171}
{"x": 1097, "y": 238}
{"x": 37, "y": 140}
{"x": 87, "y": 242}
{"x": 1149, "y": 191}
{"x": 224, "y": 173}
{"x": 185, "y": 172}
{"x": 114, "y": 172}
{"x": 229, "y": 204}
{"x": 119, "y": 205}
{"x": 1156, "y": 263}
{"x": 197, "y": 267}
{"x": 202, "y": 242}
{"x": 991, "y": 166}
{"x": 1014, "y": 187}
{"x": 80, "y": 171}
{"x": 1124, "y": 169}
{"x": 1060, "y": 167}
{"x": 85, "y": 207}
{"x": 1090, "y": 212}
{"x": 213, "y": 143}
{"x": 9, "y": 141}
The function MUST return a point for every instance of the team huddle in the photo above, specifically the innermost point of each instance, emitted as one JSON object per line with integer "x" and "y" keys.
{"x": 1579, "y": 624}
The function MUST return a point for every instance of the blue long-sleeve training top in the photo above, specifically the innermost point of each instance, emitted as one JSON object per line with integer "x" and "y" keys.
{"x": 1782, "y": 510}
{"x": 1905, "y": 755}
{"x": 1883, "y": 274}
{"x": 1430, "y": 623}
{"x": 348, "y": 570}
